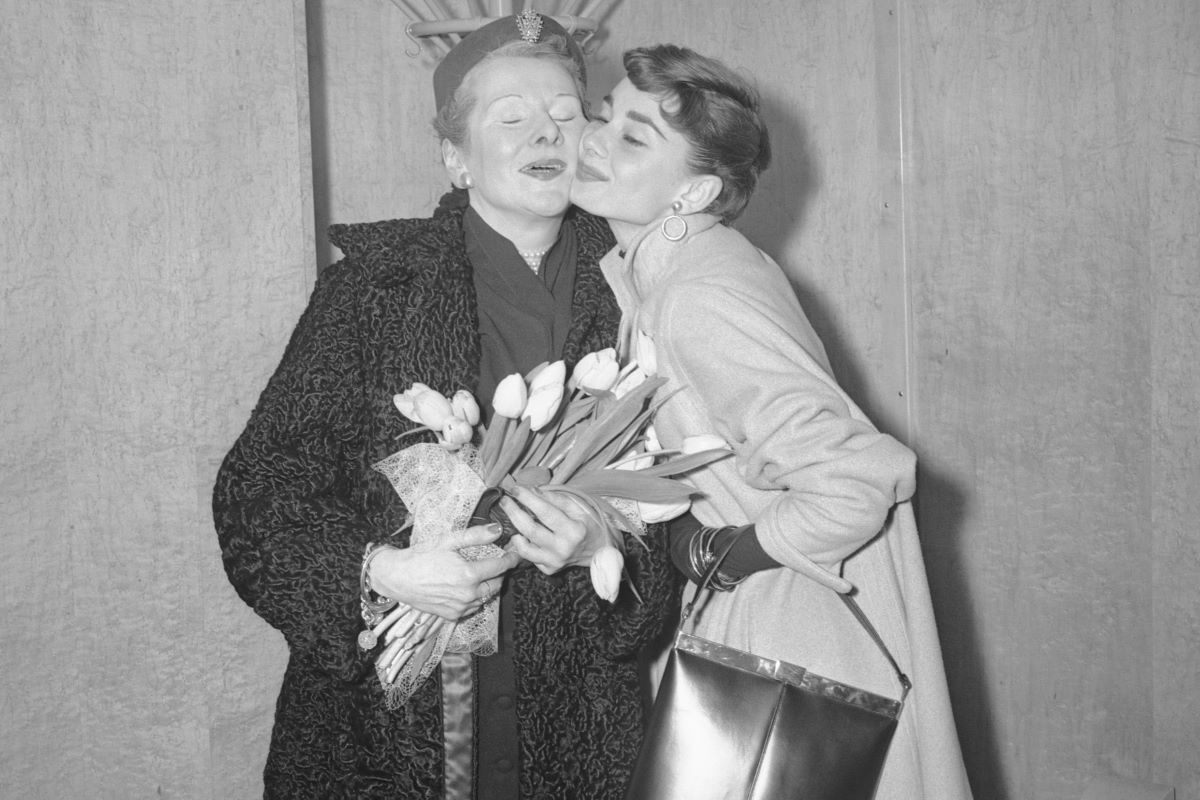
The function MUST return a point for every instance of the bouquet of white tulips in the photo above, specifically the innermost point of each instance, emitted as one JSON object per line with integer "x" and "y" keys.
{"x": 589, "y": 438}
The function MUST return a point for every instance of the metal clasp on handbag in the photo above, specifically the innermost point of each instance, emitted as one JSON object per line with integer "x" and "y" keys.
{"x": 782, "y": 670}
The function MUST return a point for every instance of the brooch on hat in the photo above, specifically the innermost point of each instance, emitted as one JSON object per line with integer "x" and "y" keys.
{"x": 529, "y": 25}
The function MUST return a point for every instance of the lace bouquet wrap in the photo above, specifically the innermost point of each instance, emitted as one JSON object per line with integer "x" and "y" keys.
{"x": 440, "y": 489}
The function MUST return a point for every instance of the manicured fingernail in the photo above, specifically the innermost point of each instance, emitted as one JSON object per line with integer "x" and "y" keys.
{"x": 495, "y": 528}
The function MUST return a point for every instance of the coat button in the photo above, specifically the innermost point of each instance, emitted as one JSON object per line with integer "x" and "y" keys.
{"x": 504, "y": 765}
{"x": 504, "y": 702}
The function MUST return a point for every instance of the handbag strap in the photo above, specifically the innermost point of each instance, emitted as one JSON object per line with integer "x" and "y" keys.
{"x": 861, "y": 616}
{"x": 851, "y": 603}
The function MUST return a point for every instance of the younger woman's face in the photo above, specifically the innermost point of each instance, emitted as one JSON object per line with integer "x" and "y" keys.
{"x": 632, "y": 164}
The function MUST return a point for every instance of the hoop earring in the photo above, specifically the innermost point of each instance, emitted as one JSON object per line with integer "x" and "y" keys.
{"x": 674, "y": 227}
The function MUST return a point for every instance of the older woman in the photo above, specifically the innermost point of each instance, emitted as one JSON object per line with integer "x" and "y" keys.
{"x": 501, "y": 278}
{"x": 815, "y": 495}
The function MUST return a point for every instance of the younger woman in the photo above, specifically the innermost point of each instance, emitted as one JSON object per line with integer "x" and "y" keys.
{"x": 673, "y": 157}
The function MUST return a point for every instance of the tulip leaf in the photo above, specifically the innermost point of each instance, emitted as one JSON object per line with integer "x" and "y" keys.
{"x": 619, "y": 520}
{"x": 511, "y": 449}
{"x": 612, "y": 424}
{"x": 632, "y": 485}
{"x": 532, "y": 476}
{"x": 561, "y": 447}
{"x": 620, "y": 445}
{"x": 687, "y": 463}
{"x": 493, "y": 436}
{"x": 553, "y": 441}
{"x": 634, "y": 432}
{"x": 545, "y": 438}
{"x": 579, "y": 408}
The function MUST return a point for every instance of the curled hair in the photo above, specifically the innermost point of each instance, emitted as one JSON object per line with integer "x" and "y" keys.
{"x": 716, "y": 110}
{"x": 451, "y": 120}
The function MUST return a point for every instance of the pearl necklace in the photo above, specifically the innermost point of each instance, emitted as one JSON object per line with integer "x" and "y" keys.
{"x": 534, "y": 257}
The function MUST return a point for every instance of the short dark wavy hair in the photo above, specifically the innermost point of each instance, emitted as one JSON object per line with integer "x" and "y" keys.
{"x": 716, "y": 110}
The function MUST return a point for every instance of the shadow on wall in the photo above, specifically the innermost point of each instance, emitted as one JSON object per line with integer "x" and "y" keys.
{"x": 788, "y": 186}
{"x": 941, "y": 506}
{"x": 776, "y": 216}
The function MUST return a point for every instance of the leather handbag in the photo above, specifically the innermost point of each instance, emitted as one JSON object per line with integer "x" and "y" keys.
{"x": 730, "y": 725}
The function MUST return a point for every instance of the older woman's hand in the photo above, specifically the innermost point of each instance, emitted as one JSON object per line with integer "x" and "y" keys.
{"x": 440, "y": 581}
{"x": 554, "y": 531}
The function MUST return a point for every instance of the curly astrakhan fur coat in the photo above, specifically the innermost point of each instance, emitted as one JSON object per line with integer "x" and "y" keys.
{"x": 296, "y": 501}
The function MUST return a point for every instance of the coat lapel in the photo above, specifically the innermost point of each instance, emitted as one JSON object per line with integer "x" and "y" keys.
{"x": 594, "y": 312}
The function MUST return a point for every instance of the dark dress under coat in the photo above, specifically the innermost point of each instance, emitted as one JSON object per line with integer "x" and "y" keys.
{"x": 296, "y": 501}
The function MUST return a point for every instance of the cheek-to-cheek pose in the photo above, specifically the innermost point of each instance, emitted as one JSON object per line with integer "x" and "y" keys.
{"x": 815, "y": 497}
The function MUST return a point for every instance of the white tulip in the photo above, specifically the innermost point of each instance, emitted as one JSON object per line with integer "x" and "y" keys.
{"x": 631, "y": 378}
{"x": 405, "y": 405}
{"x": 423, "y": 406}
{"x": 511, "y": 394}
{"x": 433, "y": 409}
{"x": 701, "y": 442}
{"x": 596, "y": 372}
{"x": 645, "y": 354}
{"x": 605, "y": 569}
{"x": 661, "y": 512}
{"x": 465, "y": 407}
{"x": 545, "y": 395}
{"x": 652, "y": 443}
{"x": 455, "y": 433}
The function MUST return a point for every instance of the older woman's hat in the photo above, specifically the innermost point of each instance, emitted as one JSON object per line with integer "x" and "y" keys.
{"x": 528, "y": 26}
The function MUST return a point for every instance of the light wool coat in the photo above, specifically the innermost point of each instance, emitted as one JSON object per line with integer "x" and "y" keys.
{"x": 829, "y": 493}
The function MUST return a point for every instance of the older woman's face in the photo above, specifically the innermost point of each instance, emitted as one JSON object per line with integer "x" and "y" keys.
{"x": 632, "y": 165}
{"x": 522, "y": 139}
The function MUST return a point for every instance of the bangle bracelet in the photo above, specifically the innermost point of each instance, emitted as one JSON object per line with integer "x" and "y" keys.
{"x": 726, "y": 580}
{"x": 701, "y": 556}
{"x": 722, "y": 582}
{"x": 373, "y": 606}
